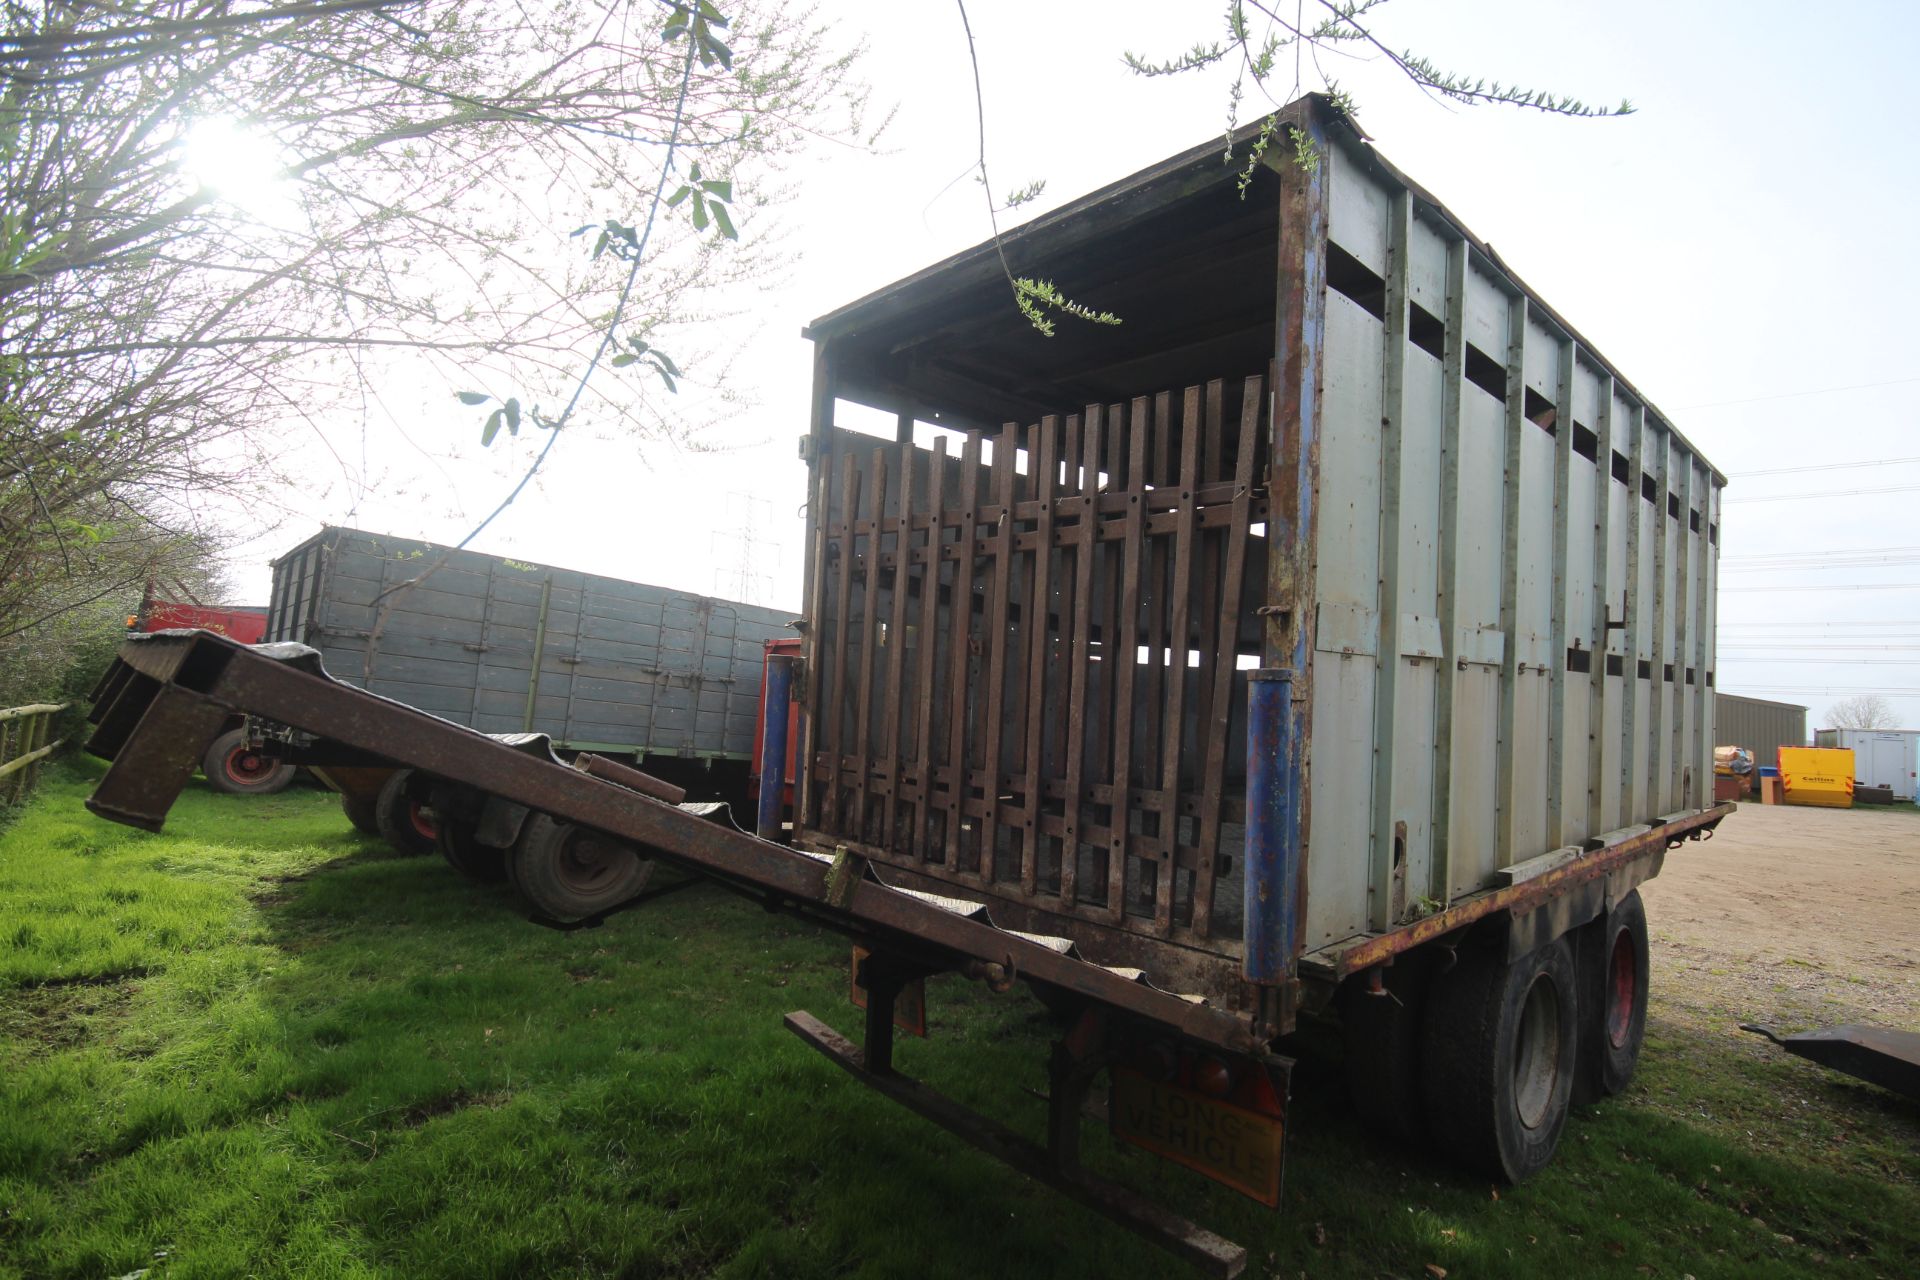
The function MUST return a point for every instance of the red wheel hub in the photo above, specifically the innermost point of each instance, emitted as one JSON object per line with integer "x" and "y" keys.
{"x": 421, "y": 819}
{"x": 245, "y": 765}
{"x": 1623, "y": 980}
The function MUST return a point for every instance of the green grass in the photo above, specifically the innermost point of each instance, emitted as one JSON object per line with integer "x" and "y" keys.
{"x": 257, "y": 1045}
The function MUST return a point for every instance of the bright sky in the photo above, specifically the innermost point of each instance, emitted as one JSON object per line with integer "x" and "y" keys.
{"x": 1741, "y": 249}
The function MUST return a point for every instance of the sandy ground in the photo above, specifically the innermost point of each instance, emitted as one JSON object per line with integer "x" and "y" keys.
{"x": 1790, "y": 916}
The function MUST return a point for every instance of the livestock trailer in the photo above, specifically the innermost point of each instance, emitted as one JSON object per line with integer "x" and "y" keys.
{"x": 1883, "y": 759}
{"x": 1331, "y": 640}
{"x": 625, "y": 668}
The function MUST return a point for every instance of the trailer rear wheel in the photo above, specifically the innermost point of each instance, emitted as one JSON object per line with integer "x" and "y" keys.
{"x": 402, "y": 818}
{"x": 1614, "y": 1031}
{"x": 567, "y": 872}
{"x": 1501, "y": 1041}
{"x": 362, "y": 812}
{"x": 232, "y": 765}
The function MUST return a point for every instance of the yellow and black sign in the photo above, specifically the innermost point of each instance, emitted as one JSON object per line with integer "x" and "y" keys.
{"x": 1225, "y": 1142}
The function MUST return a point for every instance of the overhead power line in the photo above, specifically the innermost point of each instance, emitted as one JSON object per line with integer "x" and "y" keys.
{"x": 1798, "y": 395}
{"x": 1822, "y": 466}
{"x": 1824, "y": 493}
{"x": 1838, "y": 586}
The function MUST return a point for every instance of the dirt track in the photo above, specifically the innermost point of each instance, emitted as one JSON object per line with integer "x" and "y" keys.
{"x": 1792, "y": 916}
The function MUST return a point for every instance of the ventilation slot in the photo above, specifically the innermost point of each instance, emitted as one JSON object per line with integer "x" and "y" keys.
{"x": 1689, "y": 675}
{"x": 1622, "y": 469}
{"x": 1579, "y": 660}
{"x": 1586, "y": 444}
{"x": 1673, "y": 506}
{"x": 1709, "y": 679}
{"x": 1693, "y": 520}
{"x": 1486, "y": 373}
{"x": 1646, "y": 669}
{"x": 1649, "y": 491}
{"x": 1425, "y": 331}
{"x": 1669, "y": 673}
{"x": 1616, "y": 665}
{"x": 1350, "y": 278}
{"x": 1713, "y": 535}
{"x": 1540, "y": 411}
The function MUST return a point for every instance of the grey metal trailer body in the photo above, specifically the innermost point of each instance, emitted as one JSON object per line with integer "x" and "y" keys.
{"x": 624, "y": 667}
{"x": 1340, "y": 599}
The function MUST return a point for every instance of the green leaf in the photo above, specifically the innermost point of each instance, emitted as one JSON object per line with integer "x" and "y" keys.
{"x": 721, "y": 188}
{"x": 639, "y": 347}
{"x": 699, "y": 213}
{"x": 725, "y": 223}
{"x": 624, "y": 359}
{"x": 678, "y": 196}
{"x": 513, "y": 417}
{"x": 693, "y": 172}
{"x": 488, "y": 432}
{"x": 667, "y": 378}
{"x": 666, "y": 362}
{"x": 712, "y": 51}
{"x": 711, "y": 14}
{"x": 474, "y": 397}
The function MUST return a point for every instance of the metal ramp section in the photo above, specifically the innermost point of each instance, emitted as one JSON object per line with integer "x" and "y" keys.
{"x": 167, "y": 696}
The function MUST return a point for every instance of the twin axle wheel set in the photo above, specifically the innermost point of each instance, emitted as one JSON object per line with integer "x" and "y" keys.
{"x": 565, "y": 872}
{"x": 1483, "y": 1054}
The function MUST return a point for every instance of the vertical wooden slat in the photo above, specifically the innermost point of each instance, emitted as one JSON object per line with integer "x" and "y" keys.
{"x": 960, "y": 636}
{"x": 1180, "y": 597}
{"x": 1075, "y": 743}
{"x": 1159, "y": 618}
{"x": 893, "y": 708}
{"x": 1226, "y": 634}
{"x": 1064, "y": 658}
{"x": 1043, "y": 469}
{"x": 925, "y": 699}
{"x": 1126, "y": 648}
{"x": 833, "y": 700}
{"x": 1208, "y": 555}
{"x": 869, "y": 640}
{"x": 999, "y": 589}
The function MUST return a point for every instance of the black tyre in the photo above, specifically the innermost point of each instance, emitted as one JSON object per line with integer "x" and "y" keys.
{"x": 1383, "y": 1037}
{"x": 233, "y": 766}
{"x": 478, "y": 862}
{"x": 362, "y": 812}
{"x": 1616, "y": 1024}
{"x": 569, "y": 873}
{"x": 1500, "y": 1043}
{"x": 403, "y": 820}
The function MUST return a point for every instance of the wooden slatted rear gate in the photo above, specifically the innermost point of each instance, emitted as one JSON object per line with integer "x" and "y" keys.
{"x": 1039, "y": 738}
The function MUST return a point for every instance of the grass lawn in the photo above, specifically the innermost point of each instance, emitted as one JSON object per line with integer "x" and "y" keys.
{"x": 258, "y": 1045}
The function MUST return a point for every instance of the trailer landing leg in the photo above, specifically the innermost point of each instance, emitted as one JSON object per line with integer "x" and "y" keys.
{"x": 1058, "y": 1169}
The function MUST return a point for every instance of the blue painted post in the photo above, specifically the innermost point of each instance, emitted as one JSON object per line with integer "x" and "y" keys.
{"x": 774, "y": 711}
{"x": 1273, "y": 834}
